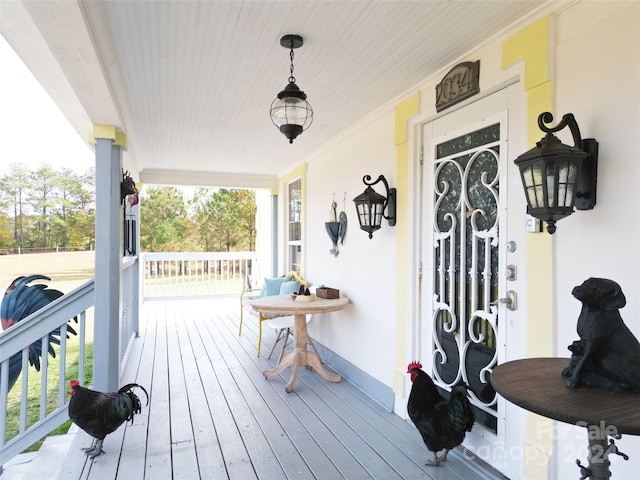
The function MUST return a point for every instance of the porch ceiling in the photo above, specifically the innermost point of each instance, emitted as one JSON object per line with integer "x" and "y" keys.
{"x": 191, "y": 82}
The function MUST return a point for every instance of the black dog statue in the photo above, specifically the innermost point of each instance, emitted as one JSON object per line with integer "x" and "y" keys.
{"x": 607, "y": 354}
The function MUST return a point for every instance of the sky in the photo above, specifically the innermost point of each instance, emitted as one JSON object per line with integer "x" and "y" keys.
{"x": 33, "y": 131}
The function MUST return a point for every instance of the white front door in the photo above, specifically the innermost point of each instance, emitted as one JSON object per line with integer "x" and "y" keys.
{"x": 473, "y": 229}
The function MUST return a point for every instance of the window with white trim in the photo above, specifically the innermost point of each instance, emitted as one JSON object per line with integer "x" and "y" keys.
{"x": 294, "y": 225}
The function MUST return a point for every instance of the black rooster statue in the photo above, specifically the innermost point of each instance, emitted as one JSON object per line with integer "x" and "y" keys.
{"x": 100, "y": 414}
{"x": 443, "y": 424}
{"x": 127, "y": 187}
{"x": 21, "y": 300}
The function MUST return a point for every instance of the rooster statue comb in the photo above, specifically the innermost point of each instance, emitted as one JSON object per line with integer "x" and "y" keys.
{"x": 414, "y": 364}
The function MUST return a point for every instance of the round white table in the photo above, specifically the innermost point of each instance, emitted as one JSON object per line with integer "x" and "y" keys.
{"x": 299, "y": 356}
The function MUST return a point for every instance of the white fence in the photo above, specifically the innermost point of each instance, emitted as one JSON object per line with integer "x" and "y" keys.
{"x": 194, "y": 275}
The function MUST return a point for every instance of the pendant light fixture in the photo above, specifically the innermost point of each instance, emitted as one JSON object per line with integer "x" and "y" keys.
{"x": 291, "y": 112}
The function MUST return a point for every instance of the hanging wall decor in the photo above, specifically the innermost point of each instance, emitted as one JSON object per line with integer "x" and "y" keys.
{"x": 336, "y": 227}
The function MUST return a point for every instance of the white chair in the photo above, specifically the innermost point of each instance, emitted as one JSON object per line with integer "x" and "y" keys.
{"x": 284, "y": 327}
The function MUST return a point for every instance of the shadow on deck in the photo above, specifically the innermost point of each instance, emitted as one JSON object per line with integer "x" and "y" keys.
{"x": 213, "y": 415}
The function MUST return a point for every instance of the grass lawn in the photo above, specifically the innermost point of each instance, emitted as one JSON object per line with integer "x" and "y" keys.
{"x": 67, "y": 271}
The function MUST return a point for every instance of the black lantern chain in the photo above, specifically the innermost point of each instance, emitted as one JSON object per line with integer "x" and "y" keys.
{"x": 292, "y": 79}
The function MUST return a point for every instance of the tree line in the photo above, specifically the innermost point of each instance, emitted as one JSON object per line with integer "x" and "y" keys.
{"x": 212, "y": 220}
{"x": 44, "y": 209}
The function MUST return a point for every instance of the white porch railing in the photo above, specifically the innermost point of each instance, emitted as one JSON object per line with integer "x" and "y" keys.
{"x": 18, "y": 338}
{"x": 78, "y": 303}
{"x": 195, "y": 275}
{"x": 129, "y": 326}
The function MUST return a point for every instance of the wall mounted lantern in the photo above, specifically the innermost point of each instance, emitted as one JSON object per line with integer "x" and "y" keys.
{"x": 556, "y": 177}
{"x": 291, "y": 112}
{"x": 370, "y": 206}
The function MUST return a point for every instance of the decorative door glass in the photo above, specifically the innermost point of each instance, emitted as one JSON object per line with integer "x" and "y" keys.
{"x": 465, "y": 238}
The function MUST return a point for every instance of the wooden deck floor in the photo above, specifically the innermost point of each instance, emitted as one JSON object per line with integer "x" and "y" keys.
{"x": 213, "y": 415}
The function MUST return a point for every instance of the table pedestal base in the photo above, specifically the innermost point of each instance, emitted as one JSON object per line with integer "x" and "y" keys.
{"x": 301, "y": 357}
{"x": 296, "y": 359}
{"x": 599, "y": 463}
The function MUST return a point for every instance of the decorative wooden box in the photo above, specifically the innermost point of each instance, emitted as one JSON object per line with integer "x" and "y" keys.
{"x": 326, "y": 292}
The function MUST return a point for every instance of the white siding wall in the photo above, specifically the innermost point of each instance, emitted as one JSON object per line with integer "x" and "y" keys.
{"x": 364, "y": 270}
{"x": 598, "y": 80}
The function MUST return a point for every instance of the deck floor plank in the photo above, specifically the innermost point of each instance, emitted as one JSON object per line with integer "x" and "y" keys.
{"x": 141, "y": 357}
{"x": 213, "y": 415}
{"x": 315, "y": 427}
{"x": 288, "y": 458}
{"x": 298, "y": 454}
{"x": 261, "y": 454}
{"x": 414, "y": 472}
{"x": 158, "y": 458}
{"x": 183, "y": 452}
{"x": 208, "y": 451}
{"x": 233, "y": 450}
{"x": 382, "y": 444}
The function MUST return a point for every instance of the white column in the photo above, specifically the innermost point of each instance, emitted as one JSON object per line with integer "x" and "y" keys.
{"x": 109, "y": 252}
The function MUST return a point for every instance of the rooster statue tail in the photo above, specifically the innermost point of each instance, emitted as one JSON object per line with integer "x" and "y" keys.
{"x": 21, "y": 300}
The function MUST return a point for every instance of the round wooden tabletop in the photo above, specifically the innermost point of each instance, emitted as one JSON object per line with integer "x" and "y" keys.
{"x": 286, "y": 305}
{"x": 537, "y": 385}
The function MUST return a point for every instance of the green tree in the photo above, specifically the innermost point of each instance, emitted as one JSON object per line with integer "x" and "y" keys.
{"x": 85, "y": 217}
{"x": 74, "y": 207}
{"x": 41, "y": 199}
{"x": 81, "y": 227}
{"x": 247, "y": 213}
{"x": 163, "y": 219}
{"x": 205, "y": 225}
{"x": 14, "y": 186}
{"x": 6, "y": 239}
{"x": 48, "y": 207}
{"x": 225, "y": 218}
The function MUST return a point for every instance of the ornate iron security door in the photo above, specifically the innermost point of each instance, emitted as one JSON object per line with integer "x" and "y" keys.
{"x": 466, "y": 202}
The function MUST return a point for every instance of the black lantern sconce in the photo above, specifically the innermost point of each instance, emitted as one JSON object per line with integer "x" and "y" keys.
{"x": 370, "y": 206}
{"x": 556, "y": 177}
{"x": 291, "y": 112}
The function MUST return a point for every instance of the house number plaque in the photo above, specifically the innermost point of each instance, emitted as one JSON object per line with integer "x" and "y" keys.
{"x": 461, "y": 82}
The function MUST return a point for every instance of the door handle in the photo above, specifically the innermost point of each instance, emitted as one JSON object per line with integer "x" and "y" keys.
{"x": 510, "y": 301}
